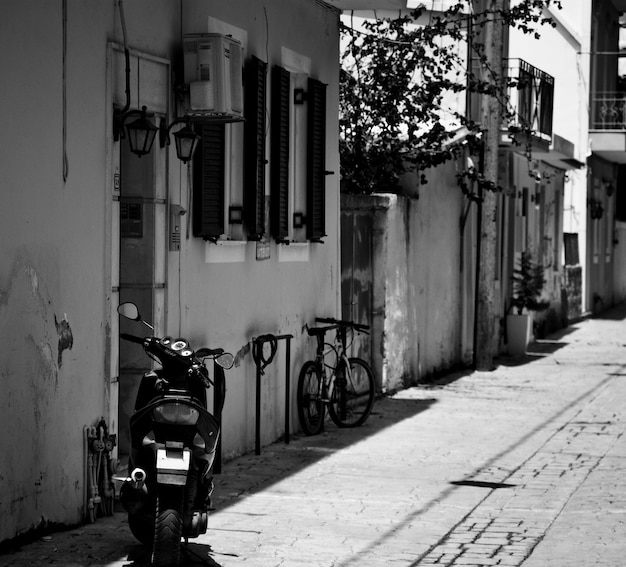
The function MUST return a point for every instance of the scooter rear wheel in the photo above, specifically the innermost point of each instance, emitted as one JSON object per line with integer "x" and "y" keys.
{"x": 168, "y": 527}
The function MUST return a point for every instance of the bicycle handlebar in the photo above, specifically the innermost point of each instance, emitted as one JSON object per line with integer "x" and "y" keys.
{"x": 359, "y": 327}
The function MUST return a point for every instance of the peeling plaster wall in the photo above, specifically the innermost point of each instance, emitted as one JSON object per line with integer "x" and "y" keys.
{"x": 36, "y": 466}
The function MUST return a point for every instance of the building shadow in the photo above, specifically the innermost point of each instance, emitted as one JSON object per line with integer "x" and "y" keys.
{"x": 193, "y": 555}
{"x": 615, "y": 313}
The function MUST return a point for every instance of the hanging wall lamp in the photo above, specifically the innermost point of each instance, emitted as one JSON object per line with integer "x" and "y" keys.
{"x": 185, "y": 139}
{"x": 140, "y": 132}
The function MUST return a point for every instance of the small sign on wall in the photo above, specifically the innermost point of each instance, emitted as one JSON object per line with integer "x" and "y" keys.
{"x": 263, "y": 245}
{"x": 263, "y": 249}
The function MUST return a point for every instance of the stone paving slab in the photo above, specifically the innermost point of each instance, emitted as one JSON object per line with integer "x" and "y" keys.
{"x": 522, "y": 466}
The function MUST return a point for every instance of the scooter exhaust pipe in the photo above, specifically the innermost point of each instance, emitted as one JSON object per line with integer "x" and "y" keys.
{"x": 138, "y": 478}
{"x": 134, "y": 494}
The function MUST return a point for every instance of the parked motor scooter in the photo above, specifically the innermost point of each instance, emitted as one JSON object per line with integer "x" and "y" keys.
{"x": 173, "y": 443}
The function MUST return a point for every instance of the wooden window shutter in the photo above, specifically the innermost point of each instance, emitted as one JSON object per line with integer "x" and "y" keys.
{"x": 254, "y": 148}
{"x": 316, "y": 161}
{"x": 208, "y": 183}
{"x": 279, "y": 173}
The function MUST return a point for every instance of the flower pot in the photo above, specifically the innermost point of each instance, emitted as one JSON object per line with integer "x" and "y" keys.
{"x": 518, "y": 329}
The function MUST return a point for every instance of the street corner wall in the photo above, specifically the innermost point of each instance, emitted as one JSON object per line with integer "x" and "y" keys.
{"x": 53, "y": 328}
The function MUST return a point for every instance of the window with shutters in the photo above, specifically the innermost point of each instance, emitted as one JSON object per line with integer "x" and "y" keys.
{"x": 208, "y": 182}
{"x": 218, "y": 181}
{"x": 297, "y": 152}
{"x": 254, "y": 148}
{"x": 221, "y": 180}
{"x": 280, "y": 154}
{"x": 316, "y": 161}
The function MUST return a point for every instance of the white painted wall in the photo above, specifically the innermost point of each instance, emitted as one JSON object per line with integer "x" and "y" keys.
{"x": 228, "y": 303}
{"x": 56, "y": 240}
{"x": 563, "y": 52}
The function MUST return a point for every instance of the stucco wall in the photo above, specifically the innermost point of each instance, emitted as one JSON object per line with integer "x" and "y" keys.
{"x": 417, "y": 278}
{"x": 55, "y": 274}
{"x": 436, "y": 269}
{"x": 229, "y": 303}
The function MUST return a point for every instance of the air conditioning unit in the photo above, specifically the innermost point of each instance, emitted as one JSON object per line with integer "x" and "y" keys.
{"x": 213, "y": 66}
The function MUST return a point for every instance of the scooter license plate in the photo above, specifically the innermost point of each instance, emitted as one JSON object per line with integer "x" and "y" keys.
{"x": 172, "y": 466}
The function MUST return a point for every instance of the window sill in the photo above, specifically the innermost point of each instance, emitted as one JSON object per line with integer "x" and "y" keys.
{"x": 294, "y": 252}
{"x": 225, "y": 252}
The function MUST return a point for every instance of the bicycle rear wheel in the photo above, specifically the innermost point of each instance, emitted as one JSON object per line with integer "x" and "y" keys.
{"x": 353, "y": 394}
{"x": 310, "y": 405}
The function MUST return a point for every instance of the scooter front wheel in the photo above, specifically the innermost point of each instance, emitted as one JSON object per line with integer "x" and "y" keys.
{"x": 168, "y": 527}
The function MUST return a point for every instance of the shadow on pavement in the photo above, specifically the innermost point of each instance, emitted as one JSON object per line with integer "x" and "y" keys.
{"x": 194, "y": 555}
{"x": 536, "y": 350}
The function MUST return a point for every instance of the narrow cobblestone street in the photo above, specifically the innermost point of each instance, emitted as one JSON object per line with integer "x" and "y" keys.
{"x": 522, "y": 466}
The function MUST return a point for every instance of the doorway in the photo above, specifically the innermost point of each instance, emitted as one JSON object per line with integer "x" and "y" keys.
{"x": 138, "y": 226}
{"x": 141, "y": 270}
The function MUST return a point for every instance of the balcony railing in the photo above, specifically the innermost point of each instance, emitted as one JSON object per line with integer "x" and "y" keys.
{"x": 531, "y": 98}
{"x": 608, "y": 111}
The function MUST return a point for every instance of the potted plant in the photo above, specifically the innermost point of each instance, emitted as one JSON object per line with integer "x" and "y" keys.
{"x": 528, "y": 282}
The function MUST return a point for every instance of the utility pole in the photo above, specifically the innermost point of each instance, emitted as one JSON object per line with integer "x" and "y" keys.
{"x": 485, "y": 335}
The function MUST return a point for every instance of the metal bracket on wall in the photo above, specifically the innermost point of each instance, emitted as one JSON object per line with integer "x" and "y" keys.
{"x": 257, "y": 349}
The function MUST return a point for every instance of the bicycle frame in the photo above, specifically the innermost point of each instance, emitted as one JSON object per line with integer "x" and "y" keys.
{"x": 328, "y": 371}
{"x": 345, "y": 386}
{"x": 326, "y": 383}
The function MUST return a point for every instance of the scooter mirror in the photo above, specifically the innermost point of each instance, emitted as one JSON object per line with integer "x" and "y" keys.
{"x": 129, "y": 310}
{"x": 225, "y": 360}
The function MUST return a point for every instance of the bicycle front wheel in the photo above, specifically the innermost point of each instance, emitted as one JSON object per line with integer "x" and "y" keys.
{"x": 309, "y": 400}
{"x": 353, "y": 394}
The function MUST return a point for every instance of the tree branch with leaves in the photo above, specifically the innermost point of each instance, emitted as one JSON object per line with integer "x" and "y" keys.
{"x": 406, "y": 83}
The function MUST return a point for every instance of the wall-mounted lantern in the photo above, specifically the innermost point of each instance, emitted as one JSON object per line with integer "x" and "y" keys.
{"x": 185, "y": 139}
{"x": 140, "y": 132}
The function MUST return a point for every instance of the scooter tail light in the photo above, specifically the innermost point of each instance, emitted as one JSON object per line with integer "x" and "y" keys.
{"x": 175, "y": 413}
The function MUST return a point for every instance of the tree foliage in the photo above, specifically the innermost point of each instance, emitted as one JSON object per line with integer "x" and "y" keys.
{"x": 401, "y": 80}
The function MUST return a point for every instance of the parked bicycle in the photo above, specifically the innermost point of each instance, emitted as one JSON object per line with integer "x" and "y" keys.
{"x": 344, "y": 384}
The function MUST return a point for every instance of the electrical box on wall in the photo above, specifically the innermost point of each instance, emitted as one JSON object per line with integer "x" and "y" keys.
{"x": 213, "y": 66}
{"x": 131, "y": 220}
{"x": 176, "y": 222}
